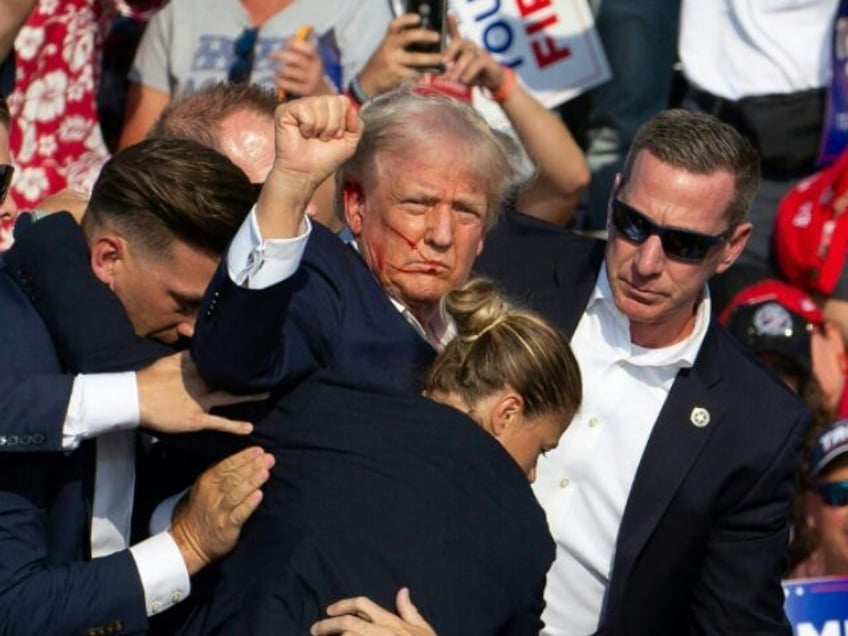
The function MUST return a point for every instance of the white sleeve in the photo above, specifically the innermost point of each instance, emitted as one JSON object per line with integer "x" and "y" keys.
{"x": 100, "y": 403}
{"x": 163, "y": 572}
{"x": 256, "y": 263}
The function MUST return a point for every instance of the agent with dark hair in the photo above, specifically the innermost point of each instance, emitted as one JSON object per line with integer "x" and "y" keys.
{"x": 154, "y": 248}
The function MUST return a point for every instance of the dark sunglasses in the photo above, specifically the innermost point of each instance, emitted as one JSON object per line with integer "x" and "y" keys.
{"x": 681, "y": 245}
{"x": 834, "y": 494}
{"x": 6, "y": 172}
{"x": 243, "y": 49}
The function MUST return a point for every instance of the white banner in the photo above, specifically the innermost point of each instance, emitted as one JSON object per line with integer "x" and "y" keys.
{"x": 552, "y": 45}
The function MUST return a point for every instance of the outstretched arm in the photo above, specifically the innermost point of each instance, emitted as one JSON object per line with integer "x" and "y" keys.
{"x": 563, "y": 171}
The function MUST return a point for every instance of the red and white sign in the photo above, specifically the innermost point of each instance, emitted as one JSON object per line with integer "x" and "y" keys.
{"x": 552, "y": 44}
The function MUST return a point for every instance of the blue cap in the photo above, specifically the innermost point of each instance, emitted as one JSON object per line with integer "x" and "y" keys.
{"x": 831, "y": 443}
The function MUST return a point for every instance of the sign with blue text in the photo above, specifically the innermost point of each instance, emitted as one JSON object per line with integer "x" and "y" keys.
{"x": 817, "y": 607}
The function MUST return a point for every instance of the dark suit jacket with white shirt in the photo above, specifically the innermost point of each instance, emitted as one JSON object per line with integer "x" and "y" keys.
{"x": 47, "y": 585}
{"x": 701, "y": 545}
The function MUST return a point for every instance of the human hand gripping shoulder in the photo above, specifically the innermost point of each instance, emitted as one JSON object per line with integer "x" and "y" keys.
{"x": 313, "y": 136}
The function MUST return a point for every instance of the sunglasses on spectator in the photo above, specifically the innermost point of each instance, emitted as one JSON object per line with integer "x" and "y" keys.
{"x": 6, "y": 172}
{"x": 681, "y": 245}
{"x": 833, "y": 494}
{"x": 243, "y": 49}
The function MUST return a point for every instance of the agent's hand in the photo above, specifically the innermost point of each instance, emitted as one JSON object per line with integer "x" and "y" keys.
{"x": 300, "y": 70}
{"x": 313, "y": 136}
{"x": 173, "y": 398}
{"x": 207, "y": 524}
{"x": 392, "y": 63}
{"x": 362, "y": 617}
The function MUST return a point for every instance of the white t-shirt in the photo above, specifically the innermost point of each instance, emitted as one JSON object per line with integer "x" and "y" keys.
{"x": 738, "y": 48}
{"x": 189, "y": 44}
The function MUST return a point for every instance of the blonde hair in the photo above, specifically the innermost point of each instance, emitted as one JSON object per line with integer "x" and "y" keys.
{"x": 499, "y": 345}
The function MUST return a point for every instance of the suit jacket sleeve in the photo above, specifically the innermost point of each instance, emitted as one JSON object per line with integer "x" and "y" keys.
{"x": 739, "y": 589}
{"x": 250, "y": 340}
{"x": 39, "y": 595}
{"x": 50, "y": 261}
{"x": 32, "y": 411}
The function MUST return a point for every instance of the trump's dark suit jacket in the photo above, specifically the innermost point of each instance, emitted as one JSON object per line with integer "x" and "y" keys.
{"x": 46, "y": 586}
{"x": 701, "y": 545}
{"x": 331, "y": 314}
{"x": 375, "y": 490}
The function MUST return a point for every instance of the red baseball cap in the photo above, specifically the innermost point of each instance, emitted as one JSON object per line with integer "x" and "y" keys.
{"x": 810, "y": 234}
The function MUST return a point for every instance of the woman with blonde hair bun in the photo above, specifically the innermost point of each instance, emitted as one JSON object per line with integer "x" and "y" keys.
{"x": 376, "y": 491}
{"x": 509, "y": 370}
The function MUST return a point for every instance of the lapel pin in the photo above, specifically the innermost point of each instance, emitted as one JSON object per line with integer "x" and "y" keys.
{"x": 700, "y": 417}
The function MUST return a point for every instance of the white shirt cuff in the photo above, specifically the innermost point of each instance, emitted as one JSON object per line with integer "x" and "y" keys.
{"x": 163, "y": 572}
{"x": 100, "y": 403}
{"x": 255, "y": 263}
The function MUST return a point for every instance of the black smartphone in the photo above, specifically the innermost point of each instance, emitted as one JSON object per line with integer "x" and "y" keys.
{"x": 434, "y": 14}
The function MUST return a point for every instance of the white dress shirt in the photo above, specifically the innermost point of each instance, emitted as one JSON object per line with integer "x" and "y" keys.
{"x": 105, "y": 406}
{"x": 584, "y": 483}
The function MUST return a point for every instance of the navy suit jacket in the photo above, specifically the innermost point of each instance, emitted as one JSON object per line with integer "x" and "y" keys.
{"x": 331, "y": 314}
{"x": 701, "y": 545}
{"x": 375, "y": 490}
{"x": 46, "y": 587}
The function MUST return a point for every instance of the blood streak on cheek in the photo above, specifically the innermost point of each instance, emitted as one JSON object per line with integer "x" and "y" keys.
{"x": 412, "y": 245}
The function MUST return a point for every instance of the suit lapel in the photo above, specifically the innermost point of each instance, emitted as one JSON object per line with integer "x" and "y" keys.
{"x": 678, "y": 437}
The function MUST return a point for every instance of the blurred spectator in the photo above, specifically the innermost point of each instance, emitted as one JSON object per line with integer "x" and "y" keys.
{"x": 811, "y": 239}
{"x": 826, "y": 505}
{"x": 639, "y": 40}
{"x": 56, "y": 138}
{"x": 238, "y": 121}
{"x": 762, "y": 67}
{"x": 193, "y": 43}
{"x": 780, "y": 323}
{"x": 787, "y": 331}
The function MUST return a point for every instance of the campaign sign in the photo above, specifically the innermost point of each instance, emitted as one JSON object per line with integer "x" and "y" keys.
{"x": 817, "y": 607}
{"x": 551, "y": 44}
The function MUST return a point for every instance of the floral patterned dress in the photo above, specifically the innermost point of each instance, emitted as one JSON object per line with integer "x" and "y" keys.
{"x": 55, "y": 137}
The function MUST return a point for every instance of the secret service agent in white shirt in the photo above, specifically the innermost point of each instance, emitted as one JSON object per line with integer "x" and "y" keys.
{"x": 584, "y": 483}
{"x": 105, "y": 406}
{"x": 256, "y": 263}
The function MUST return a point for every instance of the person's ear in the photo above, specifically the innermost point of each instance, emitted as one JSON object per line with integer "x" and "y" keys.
{"x": 108, "y": 251}
{"x": 507, "y": 412}
{"x": 353, "y": 201}
{"x": 734, "y": 246}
